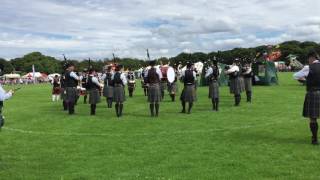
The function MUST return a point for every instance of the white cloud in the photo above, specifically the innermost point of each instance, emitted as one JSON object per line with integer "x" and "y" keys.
{"x": 96, "y": 28}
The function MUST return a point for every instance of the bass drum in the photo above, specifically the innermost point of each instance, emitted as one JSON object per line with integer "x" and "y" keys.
{"x": 171, "y": 75}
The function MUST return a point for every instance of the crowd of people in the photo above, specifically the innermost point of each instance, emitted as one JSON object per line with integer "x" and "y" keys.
{"x": 154, "y": 83}
{"x": 112, "y": 85}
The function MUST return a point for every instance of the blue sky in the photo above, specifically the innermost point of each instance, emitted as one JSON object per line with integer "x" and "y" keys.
{"x": 98, "y": 28}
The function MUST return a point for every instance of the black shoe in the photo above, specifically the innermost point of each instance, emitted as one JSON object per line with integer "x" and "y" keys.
{"x": 183, "y": 111}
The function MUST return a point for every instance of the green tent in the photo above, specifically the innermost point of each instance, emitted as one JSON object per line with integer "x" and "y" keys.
{"x": 265, "y": 73}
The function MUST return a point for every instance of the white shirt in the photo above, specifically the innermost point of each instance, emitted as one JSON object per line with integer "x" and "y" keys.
{"x": 248, "y": 71}
{"x": 122, "y": 77}
{"x": 4, "y": 95}
{"x": 234, "y": 68}
{"x": 209, "y": 72}
{"x": 95, "y": 80}
{"x": 74, "y": 76}
{"x": 194, "y": 74}
{"x": 303, "y": 73}
{"x": 158, "y": 71}
{"x": 105, "y": 75}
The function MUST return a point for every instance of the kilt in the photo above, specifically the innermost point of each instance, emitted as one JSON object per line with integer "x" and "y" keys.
{"x": 236, "y": 85}
{"x": 63, "y": 94}
{"x": 164, "y": 86}
{"x": 119, "y": 94}
{"x": 131, "y": 86}
{"x": 56, "y": 91}
{"x": 94, "y": 96}
{"x": 71, "y": 94}
{"x": 108, "y": 91}
{"x": 154, "y": 93}
{"x": 188, "y": 94}
{"x": 311, "y": 108}
{"x": 214, "y": 90}
{"x": 172, "y": 88}
{"x": 248, "y": 84}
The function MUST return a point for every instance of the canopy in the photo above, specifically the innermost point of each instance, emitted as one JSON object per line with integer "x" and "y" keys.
{"x": 36, "y": 75}
{"x": 12, "y": 76}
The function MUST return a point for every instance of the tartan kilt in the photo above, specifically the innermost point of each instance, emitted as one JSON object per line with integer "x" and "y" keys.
{"x": 63, "y": 94}
{"x": 248, "y": 84}
{"x": 214, "y": 90}
{"x": 154, "y": 93}
{"x": 311, "y": 108}
{"x": 236, "y": 85}
{"x": 108, "y": 91}
{"x": 188, "y": 94}
{"x": 119, "y": 94}
{"x": 131, "y": 86}
{"x": 71, "y": 94}
{"x": 94, "y": 96}
{"x": 173, "y": 88}
{"x": 144, "y": 85}
{"x": 56, "y": 91}
{"x": 164, "y": 86}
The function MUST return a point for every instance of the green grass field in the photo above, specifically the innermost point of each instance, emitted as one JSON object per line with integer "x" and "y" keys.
{"x": 268, "y": 139}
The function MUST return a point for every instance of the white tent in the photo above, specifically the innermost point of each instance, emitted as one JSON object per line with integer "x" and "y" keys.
{"x": 12, "y": 76}
{"x": 36, "y": 75}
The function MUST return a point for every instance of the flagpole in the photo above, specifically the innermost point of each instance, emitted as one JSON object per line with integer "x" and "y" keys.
{"x": 34, "y": 74}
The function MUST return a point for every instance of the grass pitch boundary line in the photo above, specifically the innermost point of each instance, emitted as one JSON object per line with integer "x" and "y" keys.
{"x": 141, "y": 134}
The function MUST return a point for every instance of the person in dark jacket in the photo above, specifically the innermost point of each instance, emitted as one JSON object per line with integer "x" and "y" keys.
{"x": 188, "y": 94}
{"x": 153, "y": 77}
{"x": 93, "y": 86}
{"x": 119, "y": 81}
{"x": 311, "y": 108}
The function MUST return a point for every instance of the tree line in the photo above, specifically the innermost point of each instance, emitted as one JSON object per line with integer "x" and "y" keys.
{"x": 47, "y": 64}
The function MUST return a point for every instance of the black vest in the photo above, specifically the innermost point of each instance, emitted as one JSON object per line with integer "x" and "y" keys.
{"x": 70, "y": 81}
{"x": 153, "y": 76}
{"x": 131, "y": 76}
{"x": 188, "y": 77}
{"x": 107, "y": 80}
{"x": 56, "y": 83}
{"x": 91, "y": 85}
{"x": 215, "y": 74}
{"x": 313, "y": 79}
{"x": 117, "y": 78}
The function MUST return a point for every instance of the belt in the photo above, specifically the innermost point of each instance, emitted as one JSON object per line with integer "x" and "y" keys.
{"x": 118, "y": 85}
{"x": 189, "y": 84}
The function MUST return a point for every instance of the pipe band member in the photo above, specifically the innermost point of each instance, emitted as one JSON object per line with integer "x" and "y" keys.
{"x": 236, "y": 86}
{"x": 311, "y": 108}
{"x": 84, "y": 81}
{"x": 153, "y": 77}
{"x": 248, "y": 75}
{"x": 94, "y": 91}
{"x": 144, "y": 82}
{"x": 108, "y": 86}
{"x": 119, "y": 80}
{"x": 212, "y": 76}
{"x": 56, "y": 89}
{"x": 131, "y": 82}
{"x": 173, "y": 87}
{"x": 3, "y": 96}
{"x": 188, "y": 94}
{"x": 71, "y": 82}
